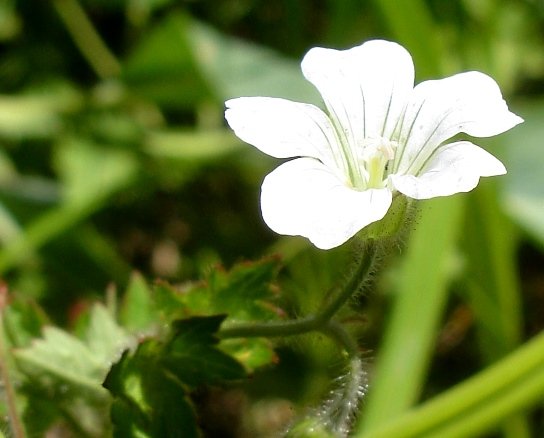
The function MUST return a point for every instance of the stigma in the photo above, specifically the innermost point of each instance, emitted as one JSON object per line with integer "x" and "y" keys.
{"x": 374, "y": 156}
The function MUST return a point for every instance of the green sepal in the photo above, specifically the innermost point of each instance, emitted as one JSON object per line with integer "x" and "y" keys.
{"x": 393, "y": 223}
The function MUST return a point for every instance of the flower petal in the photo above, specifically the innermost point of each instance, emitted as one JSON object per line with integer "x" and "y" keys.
{"x": 468, "y": 102}
{"x": 456, "y": 167}
{"x": 282, "y": 128}
{"x": 365, "y": 88}
{"x": 304, "y": 198}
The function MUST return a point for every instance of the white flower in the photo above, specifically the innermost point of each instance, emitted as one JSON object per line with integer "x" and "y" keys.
{"x": 380, "y": 135}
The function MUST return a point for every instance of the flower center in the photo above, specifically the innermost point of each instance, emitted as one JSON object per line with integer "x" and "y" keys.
{"x": 374, "y": 156}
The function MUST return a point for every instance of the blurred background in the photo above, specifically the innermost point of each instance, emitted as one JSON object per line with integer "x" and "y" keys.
{"x": 115, "y": 158}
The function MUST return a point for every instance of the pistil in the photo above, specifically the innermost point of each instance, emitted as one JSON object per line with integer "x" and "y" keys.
{"x": 375, "y": 154}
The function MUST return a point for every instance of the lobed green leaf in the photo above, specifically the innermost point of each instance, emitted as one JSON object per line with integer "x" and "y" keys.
{"x": 150, "y": 386}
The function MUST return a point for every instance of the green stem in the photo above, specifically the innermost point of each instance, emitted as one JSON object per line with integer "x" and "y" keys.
{"x": 335, "y": 300}
{"x": 477, "y": 404}
{"x": 334, "y": 417}
{"x": 338, "y": 413}
{"x": 87, "y": 38}
{"x": 17, "y": 428}
{"x": 39, "y": 232}
{"x": 335, "y": 330}
{"x": 270, "y": 329}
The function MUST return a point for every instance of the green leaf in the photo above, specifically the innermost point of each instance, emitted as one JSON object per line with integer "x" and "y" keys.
{"x": 192, "y": 146}
{"x": 39, "y": 414}
{"x": 170, "y": 301}
{"x": 237, "y": 68}
{"x": 36, "y": 114}
{"x": 10, "y": 229}
{"x": 244, "y": 293}
{"x": 61, "y": 359}
{"x": 149, "y": 402}
{"x": 137, "y": 310}
{"x": 523, "y": 186}
{"x": 414, "y": 33}
{"x": 162, "y": 68}
{"x": 79, "y": 162}
{"x": 150, "y": 386}
{"x": 23, "y": 321}
{"x": 67, "y": 372}
{"x": 183, "y": 62}
{"x": 104, "y": 337}
{"x": 192, "y": 355}
{"x": 252, "y": 352}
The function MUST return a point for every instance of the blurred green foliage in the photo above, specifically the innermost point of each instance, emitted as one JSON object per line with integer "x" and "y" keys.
{"x": 115, "y": 158}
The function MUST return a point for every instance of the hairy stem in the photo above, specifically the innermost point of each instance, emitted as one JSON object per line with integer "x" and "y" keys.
{"x": 340, "y": 411}
{"x": 335, "y": 300}
{"x": 335, "y": 330}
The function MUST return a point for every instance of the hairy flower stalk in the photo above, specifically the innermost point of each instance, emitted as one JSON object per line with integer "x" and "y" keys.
{"x": 335, "y": 416}
{"x": 379, "y": 137}
{"x": 338, "y": 411}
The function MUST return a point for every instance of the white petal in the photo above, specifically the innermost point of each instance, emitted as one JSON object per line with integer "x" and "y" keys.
{"x": 304, "y": 198}
{"x": 282, "y": 128}
{"x": 365, "y": 88}
{"x": 469, "y": 102}
{"x": 456, "y": 167}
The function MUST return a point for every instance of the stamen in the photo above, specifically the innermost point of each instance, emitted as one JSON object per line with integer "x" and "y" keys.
{"x": 374, "y": 156}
